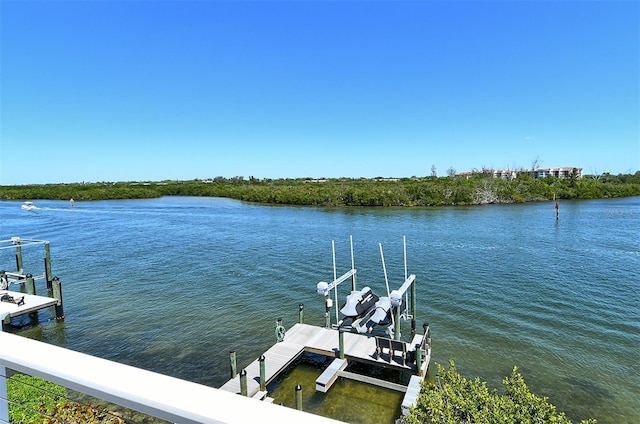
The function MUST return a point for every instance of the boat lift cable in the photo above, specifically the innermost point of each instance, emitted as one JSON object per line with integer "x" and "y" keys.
{"x": 353, "y": 263}
{"x": 335, "y": 277}
{"x": 406, "y": 294}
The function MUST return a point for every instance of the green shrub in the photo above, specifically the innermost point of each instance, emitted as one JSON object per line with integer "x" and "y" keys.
{"x": 30, "y": 396}
{"x": 453, "y": 399}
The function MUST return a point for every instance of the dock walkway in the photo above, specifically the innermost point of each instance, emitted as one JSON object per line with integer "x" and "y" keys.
{"x": 32, "y": 303}
{"x": 325, "y": 341}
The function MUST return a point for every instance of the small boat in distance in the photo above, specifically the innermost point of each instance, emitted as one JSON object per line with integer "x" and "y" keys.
{"x": 28, "y": 206}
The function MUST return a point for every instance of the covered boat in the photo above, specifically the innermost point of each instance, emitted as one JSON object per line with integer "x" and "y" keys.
{"x": 358, "y": 303}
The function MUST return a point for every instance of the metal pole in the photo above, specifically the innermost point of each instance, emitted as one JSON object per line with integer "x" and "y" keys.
{"x": 353, "y": 265}
{"x": 243, "y": 382}
{"x": 57, "y": 293}
{"x": 341, "y": 343}
{"x": 233, "y": 365}
{"x": 301, "y": 313}
{"x": 413, "y": 308}
{"x": 335, "y": 277}
{"x": 263, "y": 385}
{"x": 299, "y": 397}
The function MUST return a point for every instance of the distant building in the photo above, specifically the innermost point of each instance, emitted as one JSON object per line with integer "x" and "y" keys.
{"x": 510, "y": 174}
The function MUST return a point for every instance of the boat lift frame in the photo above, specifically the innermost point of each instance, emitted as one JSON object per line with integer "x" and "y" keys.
{"x": 395, "y": 296}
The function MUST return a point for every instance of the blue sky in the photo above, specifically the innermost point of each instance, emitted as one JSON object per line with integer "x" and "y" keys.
{"x": 151, "y": 90}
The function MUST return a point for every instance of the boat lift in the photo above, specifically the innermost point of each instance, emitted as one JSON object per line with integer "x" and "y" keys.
{"x": 394, "y": 298}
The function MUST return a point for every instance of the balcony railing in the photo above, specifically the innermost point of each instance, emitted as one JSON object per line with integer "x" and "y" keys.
{"x": 158, "y": 395}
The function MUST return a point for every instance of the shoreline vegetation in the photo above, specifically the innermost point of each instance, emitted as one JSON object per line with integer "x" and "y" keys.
{"x": 347, "y": 192}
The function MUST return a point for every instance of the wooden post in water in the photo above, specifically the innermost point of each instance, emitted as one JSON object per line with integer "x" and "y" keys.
{"x": 47, "y": 265}
{"x": 299, "y": 397}
{"x": 301, "y": 313}
{"x": 19, "y": 263}
{"x": 233, "y": 365}
{"x": 341, "y": 343}
{"x": 31, "y": 286}
{"x": 243, "y": 382}
{"x": 557, "y": 211}
{"x": 57, "y": 293}
{"x": 263, "y": 385}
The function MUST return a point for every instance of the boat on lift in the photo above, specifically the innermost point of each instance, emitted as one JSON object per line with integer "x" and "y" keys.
{"x": 363, "y": 310}
{"x": 359, "y": 303}
{"x": 28, "y": 206}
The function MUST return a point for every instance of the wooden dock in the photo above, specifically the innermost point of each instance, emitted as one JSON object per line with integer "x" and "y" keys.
{"x": 325, "y": 341}
{"x": 29, "y": 303}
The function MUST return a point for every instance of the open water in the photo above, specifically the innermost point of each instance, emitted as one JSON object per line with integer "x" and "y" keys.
{"x": 172, "y": 284}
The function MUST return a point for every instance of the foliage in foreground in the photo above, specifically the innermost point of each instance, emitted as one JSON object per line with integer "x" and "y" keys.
{"x": 36, "y": 401}
{"x": 453, "y": 399}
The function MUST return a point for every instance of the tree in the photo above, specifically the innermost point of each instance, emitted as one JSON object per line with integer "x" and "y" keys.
{"x": 451, "y": 171}
{"x": 433, "y": 171}
{"x": 535, "y": 163}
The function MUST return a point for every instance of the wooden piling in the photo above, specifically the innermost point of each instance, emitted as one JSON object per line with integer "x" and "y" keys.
{"x": 263, "y": 384}
{"x": 341, "y": 343}
{"x": 299, "y": 397}
{"x": 301, "y": 313}
{"x": 57, "y": 294}
{"x": 327, "y": 308}
{"x": 243, "y": 382}
{"x": 396, "y": 324}
{"x": 233, "y": 365}
{"x": 47, "y": 265}
{"x": 19, "y": 263}
{"x": 31, "y": 286}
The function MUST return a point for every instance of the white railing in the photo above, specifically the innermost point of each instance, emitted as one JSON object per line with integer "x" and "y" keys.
{"x": 161, "y": 396}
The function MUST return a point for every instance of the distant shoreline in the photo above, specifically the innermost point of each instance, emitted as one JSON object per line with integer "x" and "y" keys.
{"x": 347, "y": 192}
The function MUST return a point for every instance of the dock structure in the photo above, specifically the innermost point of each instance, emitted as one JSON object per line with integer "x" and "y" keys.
{"x": 326, "y": 341}
{"x": 14, "y": 303}
{"x": 369, "y": 334}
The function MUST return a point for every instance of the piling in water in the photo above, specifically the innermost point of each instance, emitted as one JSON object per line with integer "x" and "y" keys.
{"x": 31, "y": 286}
{"x": 57, "y": 294}
{"x": 232, "y": 363}
{"x": 299, "y": 397}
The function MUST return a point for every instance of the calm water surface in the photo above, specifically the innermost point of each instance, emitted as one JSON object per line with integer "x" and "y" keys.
{"x": 172, "y": 284}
